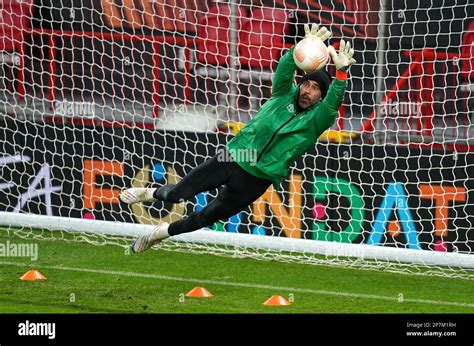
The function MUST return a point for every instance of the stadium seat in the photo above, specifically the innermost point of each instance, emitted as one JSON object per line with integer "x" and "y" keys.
{"x": 467, "y": 48}
{"x": 14, "y": 16}
{"x": 262, "y": 37}
{"x": 214, "y": 35}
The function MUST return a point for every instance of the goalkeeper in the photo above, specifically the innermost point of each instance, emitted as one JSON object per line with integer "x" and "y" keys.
{"x": 285, "y": 127}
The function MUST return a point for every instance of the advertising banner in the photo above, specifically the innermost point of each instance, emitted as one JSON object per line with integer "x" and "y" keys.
{"x": 382, "y": 195}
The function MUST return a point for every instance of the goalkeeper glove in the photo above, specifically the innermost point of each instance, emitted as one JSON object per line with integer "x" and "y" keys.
{"x": 344, "y": 59}
{"x": 322, "y": 34}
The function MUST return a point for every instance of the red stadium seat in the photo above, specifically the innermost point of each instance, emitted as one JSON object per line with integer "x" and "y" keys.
{"x": 14, "y": 16}
{"x": 262, "y": 37}
{"x": 467, "y": 48}
{"x": 260, "y": 42}
{"x": 214, "y": 34}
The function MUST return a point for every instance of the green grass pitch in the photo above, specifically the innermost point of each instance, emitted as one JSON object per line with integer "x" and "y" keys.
{"x": 84, "y": 278}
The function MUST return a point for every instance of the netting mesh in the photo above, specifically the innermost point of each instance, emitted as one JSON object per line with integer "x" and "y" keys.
{"x": 98, "y": 96}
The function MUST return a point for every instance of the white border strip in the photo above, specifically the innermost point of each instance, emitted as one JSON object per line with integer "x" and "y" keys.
{"x": 362, "y": 251}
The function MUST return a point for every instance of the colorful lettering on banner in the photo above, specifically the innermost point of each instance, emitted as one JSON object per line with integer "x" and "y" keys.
{"x": 395, "y": 200}
{"x": 94, "y": 194}
{"x": 44, "y": 174}
{"x": 442, "y": 195}
{"x": 288, "y": 217}
{"x": 321, "y": 188}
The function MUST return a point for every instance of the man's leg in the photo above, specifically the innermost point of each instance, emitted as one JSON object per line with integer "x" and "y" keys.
{"x": 227, "y": 203}
{"x": 207, "y": 176}
{"x": 241, "y": 190}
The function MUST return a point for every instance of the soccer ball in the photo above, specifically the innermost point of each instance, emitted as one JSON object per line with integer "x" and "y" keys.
{"x": 310, "y": 54}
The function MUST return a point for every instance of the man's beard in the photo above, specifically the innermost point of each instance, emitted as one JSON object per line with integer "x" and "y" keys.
{"x": 306, "y": 102}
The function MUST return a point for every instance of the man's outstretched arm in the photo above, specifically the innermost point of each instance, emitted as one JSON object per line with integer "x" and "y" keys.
{"x": 285, "y": 74}
{"x": 329, "y": 108}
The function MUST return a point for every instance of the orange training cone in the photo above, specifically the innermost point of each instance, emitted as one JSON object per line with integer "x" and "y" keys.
{"x": 276, "y": 301}
{"x": 33, "y": 275}
{"x": 199, "y": 292}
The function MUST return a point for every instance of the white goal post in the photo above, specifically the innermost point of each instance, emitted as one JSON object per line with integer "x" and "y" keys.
{"x": 99, "y": 96}
{"x": 368, "y": 255}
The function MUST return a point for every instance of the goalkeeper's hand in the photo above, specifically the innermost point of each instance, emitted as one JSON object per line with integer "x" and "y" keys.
{"x": 344, "y": 59}
{"x": 322, "y": 34}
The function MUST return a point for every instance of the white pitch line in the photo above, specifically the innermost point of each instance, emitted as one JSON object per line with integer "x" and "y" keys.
{"x": 244, "y": 285}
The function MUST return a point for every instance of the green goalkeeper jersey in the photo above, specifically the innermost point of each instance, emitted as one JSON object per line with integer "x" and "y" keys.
{"x": 278, "y": 134}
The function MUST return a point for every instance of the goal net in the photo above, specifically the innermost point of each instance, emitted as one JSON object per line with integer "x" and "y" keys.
{"x": 99, "y": 96}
